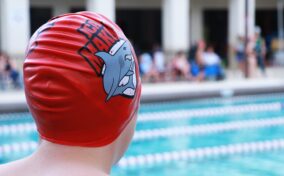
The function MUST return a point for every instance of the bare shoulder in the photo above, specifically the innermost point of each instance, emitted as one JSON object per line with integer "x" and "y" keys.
{"x": 31, "y": 167}
{"x": 12, "y": 169}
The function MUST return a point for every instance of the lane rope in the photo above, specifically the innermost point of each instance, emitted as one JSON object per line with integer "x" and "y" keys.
{"x": 201, "y": 153}
{"x": 17, "y": 129}
{"x": 205, "y": 112}
{"x": 149, "y": 159}
{"x": 16, "y": 148}
{"x": 207, "y": 128}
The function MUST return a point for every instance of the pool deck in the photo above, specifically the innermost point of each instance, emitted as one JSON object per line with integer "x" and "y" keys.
{"x": 227, "y": 88}
{"x": 234, "y": 85}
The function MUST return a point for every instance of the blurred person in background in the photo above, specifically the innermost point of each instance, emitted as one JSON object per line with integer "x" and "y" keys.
{"x": 147, "y": 67}
{"x": 198, "y": 65}
{"x": 269, "y": 49}
{"x": 210, "y": 57}
{"x": 259, "y": 49}
{"x": 201, "y": 46}
{"x": 239, "y": 50}
{"x": 192, "y": 58}
{"x": 8, "y": 71}
{"x": 192, "y": 52}
{"x": 159, "y": 62}
{"x": 212, "y": 63}
{"x": 251, "y": 57}
{"x": 2, "y": 72}
{"x": 180, "y": 67}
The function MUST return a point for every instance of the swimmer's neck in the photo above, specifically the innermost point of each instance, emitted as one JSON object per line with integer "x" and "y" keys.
{"x": 73, "y": 160}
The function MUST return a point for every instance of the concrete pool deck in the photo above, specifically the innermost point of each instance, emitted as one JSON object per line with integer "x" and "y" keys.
{"x": 234, "y": 85}
{"x": 227, "y": 88}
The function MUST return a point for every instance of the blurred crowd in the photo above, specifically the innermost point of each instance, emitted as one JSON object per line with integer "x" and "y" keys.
{"x": 9, "y": 75}
{"x": 251, "y": 54}
{"x": 201, "y": 63}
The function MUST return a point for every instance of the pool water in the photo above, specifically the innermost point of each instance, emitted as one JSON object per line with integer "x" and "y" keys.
{"x": 218, "y": 128}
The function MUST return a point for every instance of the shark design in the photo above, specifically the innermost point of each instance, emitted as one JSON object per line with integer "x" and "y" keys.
{"x": 118, "y": 72}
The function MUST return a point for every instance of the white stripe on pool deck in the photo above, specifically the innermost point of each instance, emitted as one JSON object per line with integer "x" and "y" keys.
{"x": 218, "y": 100}
{"x": 204, "y": 112}
{"x": 202, "y": 153}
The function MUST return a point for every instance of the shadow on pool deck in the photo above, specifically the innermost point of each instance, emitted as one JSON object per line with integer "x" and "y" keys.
{"x": 234, "y": 85}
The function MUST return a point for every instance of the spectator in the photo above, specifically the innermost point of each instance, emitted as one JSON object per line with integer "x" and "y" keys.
{"x": 240, "y": 53}
{"x": 260, "y": 49}
{"x": 199, "y": 53}
{"x": 192, "y": 52}
{"x": 196, "y": 57}
{"x": 251, "y": 58}
{"x": 2, "y": 72}
{"x": 8, "y": 70}
{"x": 159, "y": 62}
{"x": 210, "y": 57}
{"x": 180, "y": 67}
{"x": 212, "y": 63}
{"x": 147, "y": 68}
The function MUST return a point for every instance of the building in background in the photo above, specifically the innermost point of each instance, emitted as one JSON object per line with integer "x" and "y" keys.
{"x": 175, "y": 24}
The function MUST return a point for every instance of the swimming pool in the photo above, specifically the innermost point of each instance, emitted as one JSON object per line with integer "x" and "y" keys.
{"x": 234, "y": 136}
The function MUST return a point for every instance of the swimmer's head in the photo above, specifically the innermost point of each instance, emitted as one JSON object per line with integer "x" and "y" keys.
{"x": 81, "y": 80}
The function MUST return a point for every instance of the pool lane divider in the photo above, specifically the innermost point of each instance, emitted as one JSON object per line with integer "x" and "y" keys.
{"x": 201, "y": 153}
{"x": 174, "y": 156}
{"x": 17, "y": 129}
{"x": 15, "y": 116}
{"x": 16, "y": 148}
{"x": 23, "y": 129}
{"x": 207, "y": 128}
{"x": 209, "y": 112}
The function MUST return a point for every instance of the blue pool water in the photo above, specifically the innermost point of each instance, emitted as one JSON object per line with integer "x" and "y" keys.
{"x": 195, "y": 114}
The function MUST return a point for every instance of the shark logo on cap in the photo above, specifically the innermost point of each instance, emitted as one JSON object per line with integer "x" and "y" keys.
{"x": 119, "y": 77}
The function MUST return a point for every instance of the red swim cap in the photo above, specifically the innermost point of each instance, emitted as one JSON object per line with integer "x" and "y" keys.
{"x": 81, "y": 80}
